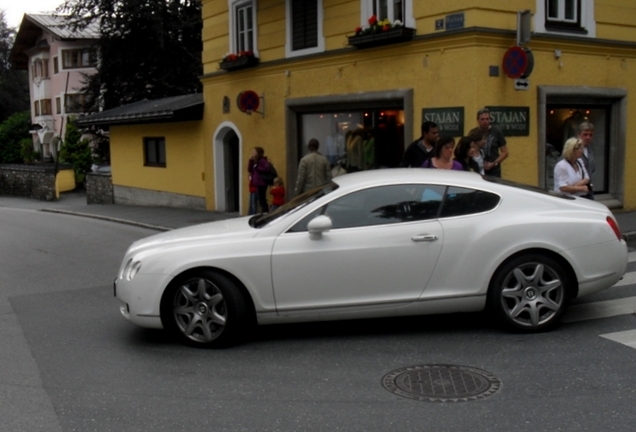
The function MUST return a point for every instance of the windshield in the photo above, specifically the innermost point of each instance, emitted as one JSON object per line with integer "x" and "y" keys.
{"x": 293, "y": 205}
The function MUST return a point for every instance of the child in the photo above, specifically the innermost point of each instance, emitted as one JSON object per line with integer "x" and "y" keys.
{"x": 278, "y": 193}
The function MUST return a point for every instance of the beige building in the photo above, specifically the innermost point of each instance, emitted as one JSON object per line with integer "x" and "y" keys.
{"x": 279, "y": 72}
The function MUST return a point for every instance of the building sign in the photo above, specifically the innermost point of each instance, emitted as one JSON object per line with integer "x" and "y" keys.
{"x": 455, "y": 21}
{"x": 512, "y": 121}
{"x": 449, "y": 120}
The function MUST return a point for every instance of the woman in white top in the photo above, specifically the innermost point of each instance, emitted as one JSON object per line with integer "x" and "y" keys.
{"x": 570, "y": 176}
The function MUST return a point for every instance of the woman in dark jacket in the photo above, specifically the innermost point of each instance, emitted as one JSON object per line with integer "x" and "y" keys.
{"x": 258, "y": 165}
{"x": 464, "y": 152}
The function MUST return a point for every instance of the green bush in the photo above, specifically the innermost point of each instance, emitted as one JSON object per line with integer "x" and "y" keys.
{"x": 12, "y": 131}
{"x": 76, "y": 151}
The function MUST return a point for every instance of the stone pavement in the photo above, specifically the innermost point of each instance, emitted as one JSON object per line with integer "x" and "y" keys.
{"x": 166, "y": 218}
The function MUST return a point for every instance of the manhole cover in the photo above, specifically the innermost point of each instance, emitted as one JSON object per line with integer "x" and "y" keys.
{"x": 442, "y": 383}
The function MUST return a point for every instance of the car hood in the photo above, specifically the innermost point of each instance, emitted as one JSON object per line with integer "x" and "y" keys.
{"x": 212, "y": 231}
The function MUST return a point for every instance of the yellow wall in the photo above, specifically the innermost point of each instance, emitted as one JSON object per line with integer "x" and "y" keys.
{"x": 184, "y": 171}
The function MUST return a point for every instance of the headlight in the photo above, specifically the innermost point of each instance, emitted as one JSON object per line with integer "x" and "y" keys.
{"x": 131, "y": 269}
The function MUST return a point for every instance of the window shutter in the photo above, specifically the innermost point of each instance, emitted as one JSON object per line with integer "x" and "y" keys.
{"x": 304, "y": 24}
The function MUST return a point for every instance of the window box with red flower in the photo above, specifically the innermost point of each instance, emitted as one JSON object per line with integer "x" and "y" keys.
{"x": 381, "y": 33}
{"x": 242, "y": 60}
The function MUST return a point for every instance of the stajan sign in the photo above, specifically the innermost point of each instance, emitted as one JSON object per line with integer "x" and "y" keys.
{"x": 512, "y": 121}
{"x": 449, "y": 120}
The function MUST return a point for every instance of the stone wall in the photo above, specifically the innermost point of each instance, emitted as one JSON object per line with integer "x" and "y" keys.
{"x": 30, "y": 181}
{"x": 99, "y": 188}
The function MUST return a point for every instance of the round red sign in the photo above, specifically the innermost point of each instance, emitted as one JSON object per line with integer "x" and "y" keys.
{"x": 248, "y": 100}
{"x": 518, "y": 62}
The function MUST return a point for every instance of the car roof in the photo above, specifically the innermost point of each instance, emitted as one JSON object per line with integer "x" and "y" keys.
{"x": 407, "y": 175}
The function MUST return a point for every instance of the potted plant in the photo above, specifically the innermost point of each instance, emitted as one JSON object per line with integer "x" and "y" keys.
{"x": 240, "y": 60}
{"x": 380, "y": 33}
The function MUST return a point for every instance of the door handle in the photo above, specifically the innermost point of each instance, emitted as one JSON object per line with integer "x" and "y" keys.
{"x": 424, "y": 238}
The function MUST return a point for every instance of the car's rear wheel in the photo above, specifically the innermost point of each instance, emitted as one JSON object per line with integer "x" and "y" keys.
{"x": 205, "y": 309}
{"x": 530, "y": 293}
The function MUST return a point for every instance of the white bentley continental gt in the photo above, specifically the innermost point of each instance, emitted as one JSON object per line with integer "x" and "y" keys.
{"x": 380, "y": 243}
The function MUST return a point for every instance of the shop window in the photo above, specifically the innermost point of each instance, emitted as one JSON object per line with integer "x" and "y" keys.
{"x": 78, "y": 58}
{"x": 356, "y": 140}
{"x": 243, "y": 25}
{"x": 304, "y": 27}
{"x": 563, "y": 122}
{"x": 155, "y": 151}
{"x": 393, "y": 10}
{"x": 74, "y": 103}
{"x": 565, "y": 16}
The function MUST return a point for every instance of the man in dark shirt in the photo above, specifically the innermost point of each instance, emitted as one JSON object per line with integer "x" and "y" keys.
{"x": 421, "y": 149}
{"x": 495, "y": 150}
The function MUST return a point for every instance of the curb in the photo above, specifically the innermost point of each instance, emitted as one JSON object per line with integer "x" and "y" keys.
{"x": 630, "y": 236}
{"x": 108, "y": 218}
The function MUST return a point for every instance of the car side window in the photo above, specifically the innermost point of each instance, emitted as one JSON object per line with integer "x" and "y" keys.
{"x": 462, "y": 201}
{"x": 380, "y": 205}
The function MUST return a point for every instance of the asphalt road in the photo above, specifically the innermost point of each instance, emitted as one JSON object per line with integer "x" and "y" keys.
{"x": 71, "y": 363}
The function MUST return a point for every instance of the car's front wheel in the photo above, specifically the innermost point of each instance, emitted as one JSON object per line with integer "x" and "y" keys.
{"x": 530, "y": 293}
{"x": 205, "y": 309}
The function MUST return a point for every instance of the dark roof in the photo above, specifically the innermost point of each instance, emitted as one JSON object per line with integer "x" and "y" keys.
{"x": 172, "y": 109}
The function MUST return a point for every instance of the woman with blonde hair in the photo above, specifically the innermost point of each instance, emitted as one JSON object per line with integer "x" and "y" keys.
{"x": 570, "y": 175}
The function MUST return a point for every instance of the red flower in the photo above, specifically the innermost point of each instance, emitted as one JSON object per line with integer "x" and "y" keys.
{"x": 386, "y": 27}
{"x": 358, "y": 29}
{"x": 373, "y": 20}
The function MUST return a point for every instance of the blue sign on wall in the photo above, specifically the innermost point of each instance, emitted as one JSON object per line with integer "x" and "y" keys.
{"x": 455, "y": 21}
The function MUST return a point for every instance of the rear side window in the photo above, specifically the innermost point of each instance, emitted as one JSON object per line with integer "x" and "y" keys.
{"x": 462, "y": 201}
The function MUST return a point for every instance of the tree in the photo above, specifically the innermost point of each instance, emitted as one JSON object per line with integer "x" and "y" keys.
{"x": 12, "y": 131}
{"x": 14, "y": 90}
{"x": 76, "y": 151}
{"x": 148, "y": 49}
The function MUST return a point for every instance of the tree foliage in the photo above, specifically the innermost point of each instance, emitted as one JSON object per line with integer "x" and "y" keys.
{"x": 76, "y": 151}
{"x": 149, "y": 49}
{"x": 14, "y": 90}
{"x": 12, "y": 131}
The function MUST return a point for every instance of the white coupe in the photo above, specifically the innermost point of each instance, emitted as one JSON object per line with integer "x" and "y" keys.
{"x": 380, "y": 243}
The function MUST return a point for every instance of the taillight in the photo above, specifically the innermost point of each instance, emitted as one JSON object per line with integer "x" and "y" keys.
{"x": 614, "y": 225}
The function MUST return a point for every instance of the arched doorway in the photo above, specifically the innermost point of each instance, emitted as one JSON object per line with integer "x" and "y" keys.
{"x": 227, "y": 168}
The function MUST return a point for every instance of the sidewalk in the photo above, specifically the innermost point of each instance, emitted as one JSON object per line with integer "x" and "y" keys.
{"x": 167, "y": 218}
{"x": 157, "y": 218}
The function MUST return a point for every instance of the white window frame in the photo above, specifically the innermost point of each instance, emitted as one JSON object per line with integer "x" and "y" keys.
{"x": 366, "y": 10}
{"x": 288, "y": 42}
{"x": 586, "y": 19}
{"x": 561, "y": 12}
{"x": 233, "y": 24}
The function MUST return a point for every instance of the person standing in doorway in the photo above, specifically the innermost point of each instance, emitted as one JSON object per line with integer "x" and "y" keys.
{"x": 495, "y": 149}
{"x": 314, "y": 169}
{"x": 258, "y": 164}
{"x": 586, "y": 134}
{"x": 421, "y": 149}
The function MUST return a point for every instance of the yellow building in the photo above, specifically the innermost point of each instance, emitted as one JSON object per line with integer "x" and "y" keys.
{"x": 541, "y": 66}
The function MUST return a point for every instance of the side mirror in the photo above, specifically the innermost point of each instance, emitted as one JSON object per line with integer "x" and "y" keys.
{"x": 319, "y": 225}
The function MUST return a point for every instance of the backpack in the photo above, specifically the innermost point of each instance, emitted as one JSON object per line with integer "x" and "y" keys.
{"x": 269, "y": 176}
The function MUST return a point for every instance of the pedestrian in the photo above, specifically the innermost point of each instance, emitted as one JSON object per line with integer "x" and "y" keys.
{"x": 442, "y": 155}
{"x": 465, "y": 151}
{"x": 478, "y": 157}
{"x": 257, "y": 166}
{"x": 586, "y": 134}
{"x": 278, "y": 193}
{"x": 570, "y": 175}
{"x": 421, "y": 149}
{"x": 314, "y": 169}
{"x": 495, "y": 149}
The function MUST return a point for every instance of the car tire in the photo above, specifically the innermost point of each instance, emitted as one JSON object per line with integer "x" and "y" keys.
{"x": 530, "y": 293}
{"x": 205, "y": 309}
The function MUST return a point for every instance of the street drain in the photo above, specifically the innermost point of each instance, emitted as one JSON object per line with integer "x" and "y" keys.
{"x": 442, "y": 383}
